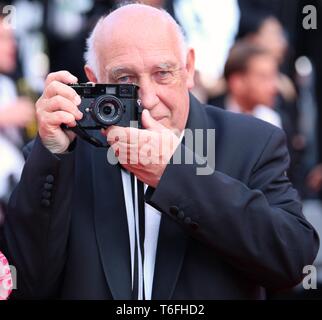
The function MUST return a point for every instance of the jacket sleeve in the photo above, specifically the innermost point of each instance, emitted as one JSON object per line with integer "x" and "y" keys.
{"x": 37, "y": 224}
{"x": 258, "y": 228}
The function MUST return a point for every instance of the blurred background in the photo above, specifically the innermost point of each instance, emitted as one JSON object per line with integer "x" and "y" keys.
{"x": 260, "y": 57}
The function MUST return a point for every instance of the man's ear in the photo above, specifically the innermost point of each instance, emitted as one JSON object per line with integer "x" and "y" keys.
{"x": 90, "y": 74}
{"x": 190, "y": 67}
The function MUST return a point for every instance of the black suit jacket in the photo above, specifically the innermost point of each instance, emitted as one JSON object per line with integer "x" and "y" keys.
{"x": 242, "y": 230}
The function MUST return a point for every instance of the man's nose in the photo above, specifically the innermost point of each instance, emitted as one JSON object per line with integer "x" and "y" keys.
{"x": 148, "y": 95}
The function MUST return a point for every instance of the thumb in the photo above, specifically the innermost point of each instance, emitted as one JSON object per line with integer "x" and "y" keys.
{"x": 149, "y": 123}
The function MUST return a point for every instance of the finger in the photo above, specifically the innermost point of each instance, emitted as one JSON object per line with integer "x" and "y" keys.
{"x": 133, "y": 136}
{"x": 61, "y": 117}
{"x": 110, "y": 129}
{"x": 120, "y": 152}
{"x": 125, "y": 152}
{"x": 59, "y": 103}
{"x": 61, "y": 76}
{"x": 56, "y": 88}
{"x": 149, "y": 123}
{"x": 116, "y": 134}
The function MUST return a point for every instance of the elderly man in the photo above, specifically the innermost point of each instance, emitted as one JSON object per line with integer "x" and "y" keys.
{"x": 226, "y": 235}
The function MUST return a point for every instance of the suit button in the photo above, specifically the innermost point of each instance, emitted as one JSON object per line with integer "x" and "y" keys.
{"x": 48, "y": 186}
{"x": 180, "y": 215}
{"x": 45, "y": 203}
{"x": 46, "y": 195}
{"x": 174, "y": 210}
{"x": 50, "y": 178}
{"x": 187, "y": 220}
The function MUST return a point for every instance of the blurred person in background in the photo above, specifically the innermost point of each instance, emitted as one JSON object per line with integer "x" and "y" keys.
{"x": 278, "y": 27}
{"x": 251, "y": 76}
{"x": 253, "y": 12}
{"x": 15, "y": 113}
{"x": 211, "y": 27}
{"x": 266, "y": 32}
{"x": 270, "y": 35}
{"x": 308, "y": 43}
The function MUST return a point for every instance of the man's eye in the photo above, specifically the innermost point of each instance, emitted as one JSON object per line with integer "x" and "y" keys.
{"x": 125, "y": 79}
{"x": 164, "y": 74}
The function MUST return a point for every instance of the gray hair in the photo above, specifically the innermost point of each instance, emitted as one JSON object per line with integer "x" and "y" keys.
{"x": 90, "y": 54}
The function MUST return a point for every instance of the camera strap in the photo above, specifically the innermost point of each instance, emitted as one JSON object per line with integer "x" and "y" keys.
{"x": 138, "y": 292}
{"x": 81, "y": 132}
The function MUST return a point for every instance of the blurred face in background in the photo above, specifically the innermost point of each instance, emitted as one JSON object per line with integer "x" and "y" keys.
{"x": 271, "y": 36}
{"x": 258, "y": 84}
{"x": 7, "y": 49}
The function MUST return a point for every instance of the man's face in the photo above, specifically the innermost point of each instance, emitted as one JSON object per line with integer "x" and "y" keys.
{"x": 7, "y": 49}
{"x": 260, "y": 81}
{"x": 151, "y": 57}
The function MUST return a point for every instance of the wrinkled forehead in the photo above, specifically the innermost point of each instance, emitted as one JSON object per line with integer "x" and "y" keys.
{"x": 144, "y": 31}
{"x": 137, "y": 17}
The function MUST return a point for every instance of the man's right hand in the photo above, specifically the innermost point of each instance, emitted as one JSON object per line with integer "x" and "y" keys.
{"x": 58, "y": 105}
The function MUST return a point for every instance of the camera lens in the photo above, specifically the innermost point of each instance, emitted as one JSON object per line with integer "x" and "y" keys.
{"x": 108, "y": 110}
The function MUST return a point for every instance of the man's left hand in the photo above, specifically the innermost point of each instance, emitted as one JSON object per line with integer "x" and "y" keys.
{"x": 144, "y": 152}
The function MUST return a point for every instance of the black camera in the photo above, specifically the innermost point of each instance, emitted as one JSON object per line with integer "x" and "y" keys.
{"x": 104, "y": 105}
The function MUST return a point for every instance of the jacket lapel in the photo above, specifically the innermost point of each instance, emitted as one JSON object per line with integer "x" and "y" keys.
{"x": 169, "y": 258}
{"x": 172, "y": 241}
{"x": 111, "y": 225}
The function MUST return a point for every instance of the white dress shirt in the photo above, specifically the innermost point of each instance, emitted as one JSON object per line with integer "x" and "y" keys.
{"x": 152, "y": 224}
{"x": 261, "y": 112}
